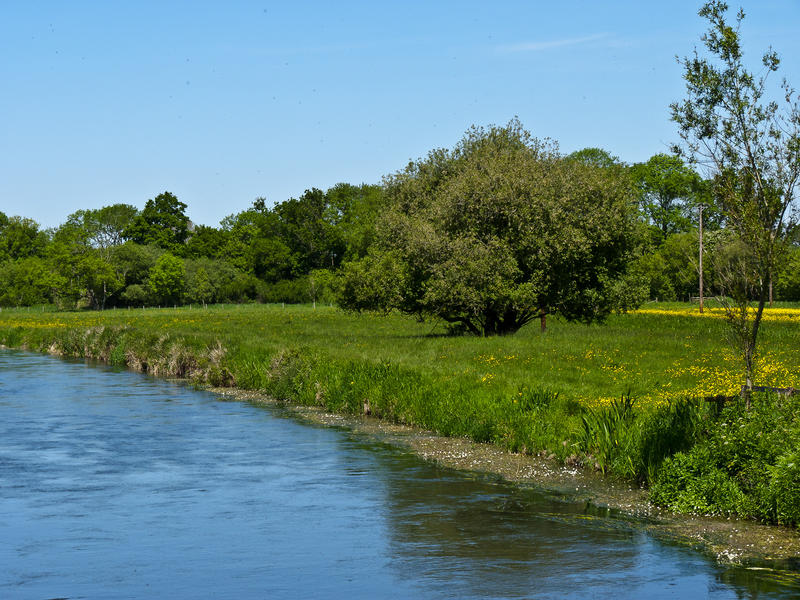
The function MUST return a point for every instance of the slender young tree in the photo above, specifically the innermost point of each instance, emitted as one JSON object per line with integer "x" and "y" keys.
{"x": 749, "y": 141}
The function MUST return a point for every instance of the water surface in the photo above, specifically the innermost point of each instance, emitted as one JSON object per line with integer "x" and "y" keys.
{"x": 118, "y": 485}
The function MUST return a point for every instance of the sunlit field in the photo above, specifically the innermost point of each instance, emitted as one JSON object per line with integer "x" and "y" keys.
{"x": 656, "y": 354}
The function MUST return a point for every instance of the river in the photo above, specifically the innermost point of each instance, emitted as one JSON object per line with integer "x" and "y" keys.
{"x": 118, "y": 485}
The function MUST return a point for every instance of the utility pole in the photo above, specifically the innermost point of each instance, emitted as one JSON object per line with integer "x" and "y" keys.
{"x": 701, "y": 206}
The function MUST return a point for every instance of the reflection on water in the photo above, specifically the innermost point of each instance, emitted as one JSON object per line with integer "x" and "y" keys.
{"x": 117, "y": 485}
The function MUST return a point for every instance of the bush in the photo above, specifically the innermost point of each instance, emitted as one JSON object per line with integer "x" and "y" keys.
{"x": 137, "y": 295}
{"x": 692, "y": 483}
{"x": 291, "y": 291}
{"x": 785, "y": 488}
{"x": 746, "y": 463}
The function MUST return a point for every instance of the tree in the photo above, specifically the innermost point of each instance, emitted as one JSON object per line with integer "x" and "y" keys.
{"x": 595, "y": 157}
{"x": 133, "y": 262}
{"x": 168, "y": 278}
{"x": 26, "y": 282}
{"x": 320, "y": 285}
{"x": 495, "y": 233}
{"x": 97, "y": 278}
{"x": 105, "y": 227}
{"x": 353, "y": 211}
{"x": 201, "y": 288}
{"x": 206, "y": 242}
{"x": 213, "y": 280}
{"x": 789, "y": 280}
{"x": 20, "y": 238}
{"x": 666, "y": 186}
{"x": 270, "y": 259}
{"x": 86, "y": 270}
{"x": 750, "y": 144}
{"x": 162, "y": 222}
{"x": 305, "y": 227}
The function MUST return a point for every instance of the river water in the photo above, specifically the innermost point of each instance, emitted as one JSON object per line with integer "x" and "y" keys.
{"x": 118, "y": 485}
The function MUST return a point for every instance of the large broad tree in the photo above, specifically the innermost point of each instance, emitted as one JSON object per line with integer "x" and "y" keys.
{"x": 494, "y": 233}
{"x": 748, "y": 139}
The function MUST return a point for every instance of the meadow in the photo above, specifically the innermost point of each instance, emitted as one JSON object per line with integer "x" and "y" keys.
{"x": 621, "y": 396}
{"x": 655, "y": 355}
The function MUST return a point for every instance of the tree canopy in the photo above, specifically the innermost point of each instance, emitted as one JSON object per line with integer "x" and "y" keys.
{"x": 162, "y": 222}
{"x": 496, "y": 232}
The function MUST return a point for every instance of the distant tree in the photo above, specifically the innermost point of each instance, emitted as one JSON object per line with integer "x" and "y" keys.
{"x": 353, "y": 211}
{"x": 20, "y": 238}
{"x": 87, "y": 273}
{"x": 375, "y": 282}
{"x": 680, "y": 253}
{"x": 666, "y": 188}
{"x": 653, "y": 268}
{"x": 495, "y": 233}
{"x": 97, "y": 278}
{"x": 306, "y": 229}
{"x": 26, "y": 282}
{"x": 320, "y": 285}
{"x": 132, "y": 262}
{"x": 270, "y": 259}
{"x": 251, "y": 237}
{"x": 750, "y": 145}
{"x": 201, "y": 289}
{"x": 163, "y": 223}
{"x": 208, "y": 242}
{"x": 112, "y": 221}
{"x": 788, "y": 287}
{"x": 105, "y": 226}
{"x": 137, "y": 294}
{"x": 224, "y": 280}
{"x": 168, "y": 278}
{"x": 595, "y": 157}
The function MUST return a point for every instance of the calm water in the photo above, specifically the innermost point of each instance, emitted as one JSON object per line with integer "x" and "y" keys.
{"x": 117, "y": 485}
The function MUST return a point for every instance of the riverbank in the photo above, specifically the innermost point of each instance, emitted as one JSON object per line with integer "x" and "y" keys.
{"x": 535, "y": 397}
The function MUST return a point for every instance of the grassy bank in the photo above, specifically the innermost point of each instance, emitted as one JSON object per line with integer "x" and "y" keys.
{"x": 616, "y": 397}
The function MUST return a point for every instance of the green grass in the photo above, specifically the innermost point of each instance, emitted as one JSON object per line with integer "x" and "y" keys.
{"x": 557, "y": 392}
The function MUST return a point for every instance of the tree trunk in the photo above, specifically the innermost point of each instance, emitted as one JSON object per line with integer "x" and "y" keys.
{"x": 770, "y": 292}
{"x": 750, "y": 350}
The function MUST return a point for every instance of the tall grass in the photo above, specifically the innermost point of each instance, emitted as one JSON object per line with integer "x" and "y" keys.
{"x": 613, "y": 396}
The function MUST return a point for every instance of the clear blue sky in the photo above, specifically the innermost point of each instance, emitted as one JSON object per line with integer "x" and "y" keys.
{"x": 221, "y": 102}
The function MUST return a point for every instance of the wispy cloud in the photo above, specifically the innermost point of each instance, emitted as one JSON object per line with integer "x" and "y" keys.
{"x": 546, "y": 45}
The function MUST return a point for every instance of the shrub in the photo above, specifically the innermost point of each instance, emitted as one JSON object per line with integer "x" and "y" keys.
{"x": 744, "y": 463}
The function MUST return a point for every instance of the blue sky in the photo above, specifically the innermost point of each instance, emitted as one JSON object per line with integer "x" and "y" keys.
{"x": 219, "y": 103}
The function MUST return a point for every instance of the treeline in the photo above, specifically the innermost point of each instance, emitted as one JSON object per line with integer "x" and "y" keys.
{"x": 667, "y": 264}
{"x": 120, "y": 256}
{"x": 292, "y": 251}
